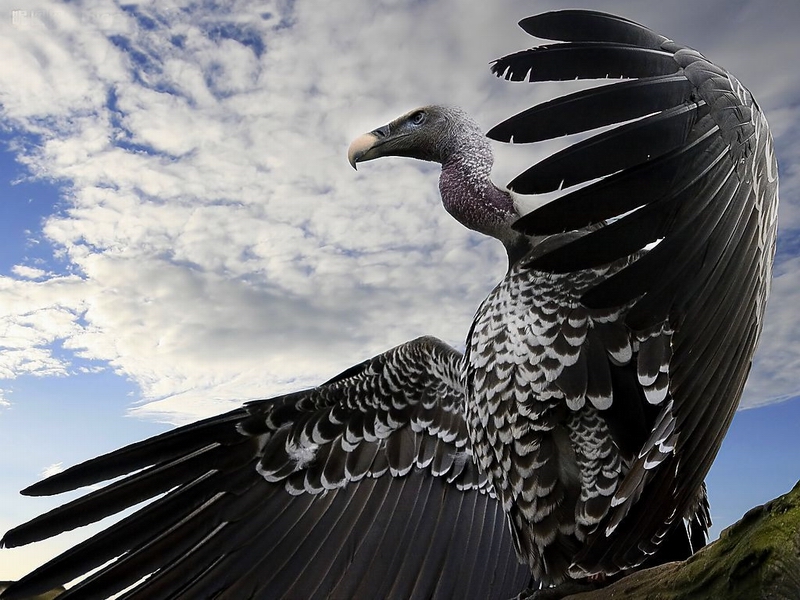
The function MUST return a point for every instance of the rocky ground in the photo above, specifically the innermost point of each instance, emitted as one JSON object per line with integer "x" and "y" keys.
{"x": 757, "y": 558}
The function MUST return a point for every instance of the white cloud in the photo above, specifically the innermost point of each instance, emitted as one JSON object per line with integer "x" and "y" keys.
{"x": 34, "y": 315}
{"x": 26, "y": 272}
{"x": 218, "y": 246}
{"x": 51, "y": 470}
{"x": 777, "y": 363}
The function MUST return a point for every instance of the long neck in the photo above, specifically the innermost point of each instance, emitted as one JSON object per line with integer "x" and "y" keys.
{"x": 469, "y": 195}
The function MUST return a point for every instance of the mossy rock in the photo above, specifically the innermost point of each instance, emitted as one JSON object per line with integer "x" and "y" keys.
{"x": 757, "y": 558}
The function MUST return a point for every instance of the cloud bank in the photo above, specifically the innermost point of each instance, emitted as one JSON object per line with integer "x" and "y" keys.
{"x": 211, "y": 243}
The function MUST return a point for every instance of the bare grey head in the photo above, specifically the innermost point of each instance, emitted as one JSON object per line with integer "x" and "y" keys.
{"x": 447, "y": 135}
{"x": 433, "y": 133}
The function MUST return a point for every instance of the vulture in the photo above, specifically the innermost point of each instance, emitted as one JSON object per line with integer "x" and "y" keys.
{"x": 566, "y": 446}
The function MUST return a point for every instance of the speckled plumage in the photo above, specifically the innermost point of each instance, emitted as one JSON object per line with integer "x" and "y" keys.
{"x": 532, "y": 411}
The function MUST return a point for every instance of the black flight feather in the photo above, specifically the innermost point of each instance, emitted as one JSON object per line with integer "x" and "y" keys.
{"x": 597, "y": 107}
{"x": 624, "y": 191}
{"x": 172, "y": 444}
{"x": 583, "y": 60}
{"x": 620, "y": 148}
{"x": 590, "y": 26}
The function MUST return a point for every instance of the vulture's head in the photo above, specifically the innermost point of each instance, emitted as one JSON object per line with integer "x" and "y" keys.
{"x": 447, "y": 135}
{"x": 433, "y": 133}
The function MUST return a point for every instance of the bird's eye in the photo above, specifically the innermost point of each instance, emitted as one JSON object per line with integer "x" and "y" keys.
{"x": 417, "y": 117}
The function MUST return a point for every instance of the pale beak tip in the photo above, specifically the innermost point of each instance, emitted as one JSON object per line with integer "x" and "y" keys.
{"x": 360, "y": 146}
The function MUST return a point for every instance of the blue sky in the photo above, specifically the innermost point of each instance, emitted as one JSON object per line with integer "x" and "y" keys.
{"x": 180, "y": 230}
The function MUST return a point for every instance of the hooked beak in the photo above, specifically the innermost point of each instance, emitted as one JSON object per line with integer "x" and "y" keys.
{"x": 378, "y": 142}
{"x": 360, "y": 148}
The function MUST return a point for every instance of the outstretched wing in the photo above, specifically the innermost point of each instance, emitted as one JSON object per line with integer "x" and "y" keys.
{"x": 686, "y": 185}
{"x": 361, "y": 487}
